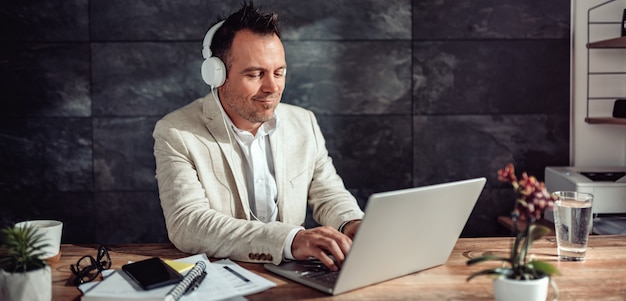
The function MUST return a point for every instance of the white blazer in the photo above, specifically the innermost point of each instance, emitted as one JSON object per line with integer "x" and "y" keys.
{"x": 201, "y": 180}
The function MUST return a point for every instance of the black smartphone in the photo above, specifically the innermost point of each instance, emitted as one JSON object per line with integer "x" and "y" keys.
{"x": 152, "y": 273}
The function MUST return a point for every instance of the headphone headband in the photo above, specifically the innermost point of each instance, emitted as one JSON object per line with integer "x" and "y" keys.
{"x": 208, "y": 39}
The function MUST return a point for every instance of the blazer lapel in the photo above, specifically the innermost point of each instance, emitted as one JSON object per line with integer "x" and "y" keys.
{"x": 216, "y": 126}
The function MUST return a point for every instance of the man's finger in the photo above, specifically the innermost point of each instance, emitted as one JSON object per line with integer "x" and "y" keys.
{"x": 320, "y": 243}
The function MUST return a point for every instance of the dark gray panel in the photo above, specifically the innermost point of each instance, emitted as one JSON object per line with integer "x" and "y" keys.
{"x": 491, "y": 204}
{"x": 459, "y": 147}
{"x": 491, "y": 19}
{"x": 45, "y": 154}
{"x": 349, "y": 77}
{"x": 491, "y": 77}
{"x": 371, "y": 153}
{"x": 45, "y": 79}
{"x": 129, "y": 217}
{"x": 75, "y": 209}
{"x": 148, "y": 20}
{"x": 344, "y": 19}
{"x": 123, "y": 154}
{"x": 145, "y": 79}
{"x": 304, "y": 20}
{"x": 50, "y": 20}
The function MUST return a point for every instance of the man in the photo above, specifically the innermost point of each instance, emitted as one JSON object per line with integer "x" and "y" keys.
{"x": 236, "y": 169}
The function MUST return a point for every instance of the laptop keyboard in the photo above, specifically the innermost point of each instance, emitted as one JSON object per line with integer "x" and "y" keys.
{"x": 327, "y": 278}
{"x": 315, "y": 271}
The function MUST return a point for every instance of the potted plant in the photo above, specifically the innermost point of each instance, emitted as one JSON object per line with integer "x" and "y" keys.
{"x": 520, "y": 270}
{"x": 23, "y": 274}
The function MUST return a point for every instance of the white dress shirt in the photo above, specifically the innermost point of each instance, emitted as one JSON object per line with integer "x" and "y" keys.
{"x": 260, "y": 180}
{"x": 259, "y": 170}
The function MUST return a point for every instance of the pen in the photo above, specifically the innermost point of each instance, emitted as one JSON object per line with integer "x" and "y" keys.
{"x": 196, "y": 282}
{"x": 236, "y": 274}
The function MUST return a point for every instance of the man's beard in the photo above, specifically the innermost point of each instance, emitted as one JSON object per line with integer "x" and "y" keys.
{"x": 255, "y": 116}
{"x": 260, "y": 117}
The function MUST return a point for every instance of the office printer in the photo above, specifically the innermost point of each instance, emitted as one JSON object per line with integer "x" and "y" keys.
{"x": 608, "y": 186}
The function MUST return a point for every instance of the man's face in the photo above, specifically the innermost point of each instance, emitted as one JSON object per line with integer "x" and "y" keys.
{"x": 255, "y": 80}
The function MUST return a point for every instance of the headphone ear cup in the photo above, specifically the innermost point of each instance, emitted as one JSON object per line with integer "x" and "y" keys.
{"x": 213, "y": 72}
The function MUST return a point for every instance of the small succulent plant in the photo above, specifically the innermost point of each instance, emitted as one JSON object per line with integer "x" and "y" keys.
{"x": 21, "y": 249}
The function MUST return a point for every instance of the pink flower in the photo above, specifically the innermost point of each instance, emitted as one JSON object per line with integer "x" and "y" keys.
{"x": 507, "y": 174}
{"x": 532, "y": 196}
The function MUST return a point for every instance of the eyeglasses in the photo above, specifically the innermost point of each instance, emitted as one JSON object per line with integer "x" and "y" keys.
{"x": 87, "y": 268}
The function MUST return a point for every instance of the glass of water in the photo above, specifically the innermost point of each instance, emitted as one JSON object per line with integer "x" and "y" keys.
{"x": 572, "y": 222}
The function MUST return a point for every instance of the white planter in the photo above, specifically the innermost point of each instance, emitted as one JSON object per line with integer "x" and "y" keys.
{"x": 30, "y": 286}
{"x": 520, "y": 290}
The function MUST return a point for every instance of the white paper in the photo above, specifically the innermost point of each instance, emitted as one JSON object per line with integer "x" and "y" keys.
{"x": 219, "y": 284}
{"x": 254, "y": 283}
{"x": 117, "y": 286}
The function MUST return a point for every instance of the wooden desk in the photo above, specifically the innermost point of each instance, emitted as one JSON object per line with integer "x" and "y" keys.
{"x": 602, "y": 276}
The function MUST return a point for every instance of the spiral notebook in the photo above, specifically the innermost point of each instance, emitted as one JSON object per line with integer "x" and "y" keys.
{"x": 223, "y": 281}
{"x": 191, "y": 281}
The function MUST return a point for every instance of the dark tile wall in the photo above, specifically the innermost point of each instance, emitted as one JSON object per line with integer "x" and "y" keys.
{"x": 407, "y": 93}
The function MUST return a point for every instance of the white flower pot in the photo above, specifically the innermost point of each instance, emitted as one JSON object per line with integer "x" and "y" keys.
{"x": 34, "y": 285}
{"x": 520, "y": 290}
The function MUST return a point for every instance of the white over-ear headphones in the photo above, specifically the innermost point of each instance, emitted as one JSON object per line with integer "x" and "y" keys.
{"x": 213, "y": 69}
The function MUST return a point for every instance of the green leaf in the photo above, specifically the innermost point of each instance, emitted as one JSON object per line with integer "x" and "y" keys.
{"x": 544, "y": 267}
{"x": 537, "y": 232}
{"x": 515, "y": 249}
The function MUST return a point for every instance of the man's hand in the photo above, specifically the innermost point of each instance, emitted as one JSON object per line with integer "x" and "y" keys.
{"x": 321, "y": 242}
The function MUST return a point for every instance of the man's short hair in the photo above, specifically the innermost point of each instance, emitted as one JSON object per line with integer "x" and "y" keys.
{"x": 248, "y": 17}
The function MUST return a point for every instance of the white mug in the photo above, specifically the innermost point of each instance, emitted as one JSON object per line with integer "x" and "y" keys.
{"x": 51, "y": 231}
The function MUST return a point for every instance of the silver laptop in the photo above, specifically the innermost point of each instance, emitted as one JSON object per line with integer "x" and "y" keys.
{"x": 403, "y": 232}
